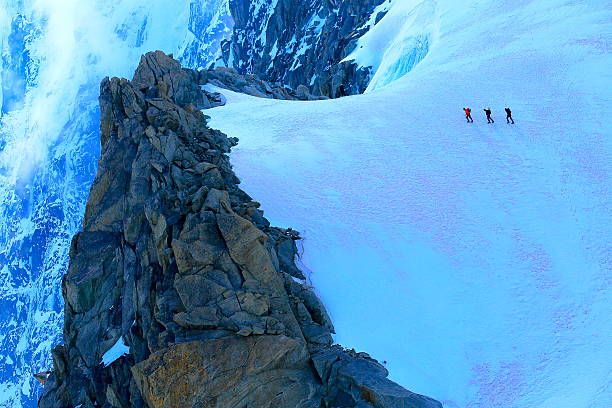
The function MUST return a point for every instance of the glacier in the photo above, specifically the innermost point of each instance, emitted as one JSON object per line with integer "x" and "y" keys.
{"x": 53, "y": 55}
{"x": 394, "y": 48}
{"x": 474, "y": 259}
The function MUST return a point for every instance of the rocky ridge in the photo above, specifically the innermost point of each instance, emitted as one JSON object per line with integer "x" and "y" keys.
{"x": 251, "y": 84}
{"x": 179, "y": 292}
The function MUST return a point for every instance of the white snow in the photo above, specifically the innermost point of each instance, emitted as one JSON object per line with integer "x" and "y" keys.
{"x": 315, "y": 24}
{"x": 475, "y": 259}
{"x": 118, "y": 350}
{"x": 268, "y": 6}
{"x": 381, "y": 8}
{"x": 273, "y": 50}
{"x": 313, "y": 30}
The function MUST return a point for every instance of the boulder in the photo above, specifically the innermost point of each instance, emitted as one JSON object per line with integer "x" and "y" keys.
{"x": 196, "y": 291}
{"x": 229, "y": 372}
{"x": 198, "y": 318}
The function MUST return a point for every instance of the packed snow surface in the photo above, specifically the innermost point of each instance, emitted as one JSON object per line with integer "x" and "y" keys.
{"x": 473, "y": 258}
{"x": 118, "y": 350}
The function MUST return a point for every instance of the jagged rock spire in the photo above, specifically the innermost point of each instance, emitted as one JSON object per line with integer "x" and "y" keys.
{"x": 178, "y": 265}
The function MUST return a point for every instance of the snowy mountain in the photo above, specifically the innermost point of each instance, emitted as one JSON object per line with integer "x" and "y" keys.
{"x": 479, "y": 255}
{"x": 302, "y": 42}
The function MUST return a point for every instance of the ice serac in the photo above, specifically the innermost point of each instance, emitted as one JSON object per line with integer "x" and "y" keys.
{"x": 299, "y": 42}
{"x": 177, "y": 268}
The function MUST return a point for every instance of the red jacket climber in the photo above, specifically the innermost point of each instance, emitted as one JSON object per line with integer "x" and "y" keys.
{"x": 468, "y": 114}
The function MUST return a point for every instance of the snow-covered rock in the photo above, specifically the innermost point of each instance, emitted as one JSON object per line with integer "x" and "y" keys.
{"x": 299, "y": 42}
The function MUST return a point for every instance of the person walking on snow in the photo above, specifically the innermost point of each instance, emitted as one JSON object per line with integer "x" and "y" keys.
{"x": 509, "y": 116}
{"x": 468, "y": 115}
{"x": 489, "y": 118}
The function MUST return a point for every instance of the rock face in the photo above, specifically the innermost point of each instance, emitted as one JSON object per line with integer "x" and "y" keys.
{"x": 251, "y": 84}
{"x": 178, "y": 265}
{"x": 301, "y": 42}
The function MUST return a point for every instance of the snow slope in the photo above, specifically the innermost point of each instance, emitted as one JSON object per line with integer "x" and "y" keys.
{"x": 474, "y": 258}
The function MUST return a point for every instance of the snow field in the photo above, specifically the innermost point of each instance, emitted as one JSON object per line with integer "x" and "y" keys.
{"x": 474, "y": 258}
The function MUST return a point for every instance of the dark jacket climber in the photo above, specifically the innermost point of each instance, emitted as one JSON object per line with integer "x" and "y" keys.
{"x": 468, "y": 115}
{"x": 509, "y": 116}
{"x": 489, "y": 118}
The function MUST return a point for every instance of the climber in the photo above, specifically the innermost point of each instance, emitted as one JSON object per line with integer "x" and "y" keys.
{"x": 468, "y": 115}
{"x": 489, "y": 118}
{"x": 509, "y": 116}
